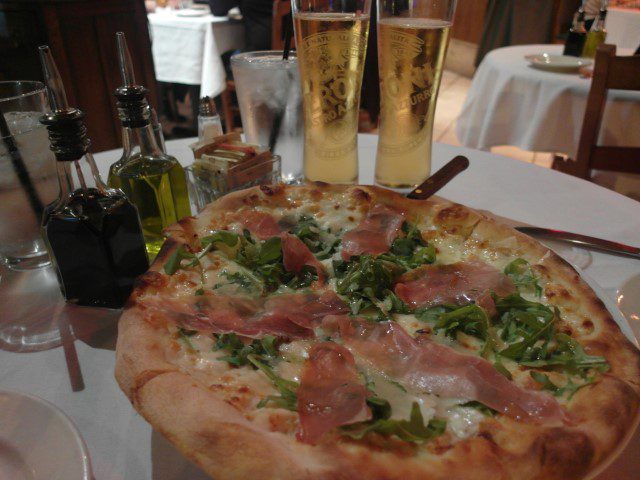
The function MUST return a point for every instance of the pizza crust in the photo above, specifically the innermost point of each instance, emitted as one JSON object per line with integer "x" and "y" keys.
{"x": 217, "y": 436}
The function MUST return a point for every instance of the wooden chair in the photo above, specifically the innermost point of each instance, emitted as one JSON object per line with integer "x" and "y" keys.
{"x": 281, "y": 13}
{"x": 610, "y": 72}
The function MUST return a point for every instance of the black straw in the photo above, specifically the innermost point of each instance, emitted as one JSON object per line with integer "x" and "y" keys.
{"x": 277, "y": 119}
{"x": 288, "y": 33}
{"x": 19, "y": 167}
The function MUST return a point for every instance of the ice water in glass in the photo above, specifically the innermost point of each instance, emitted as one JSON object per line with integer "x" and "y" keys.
{"x": 27, "y": 175}
{"x": 268, "y": 90}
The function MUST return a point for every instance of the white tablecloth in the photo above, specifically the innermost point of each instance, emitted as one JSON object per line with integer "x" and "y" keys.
{"x": 187, "y": 49}
{"x": 511, "y": 103}
{"x": 623, "y": 27}
{"x": 123, "y": 446}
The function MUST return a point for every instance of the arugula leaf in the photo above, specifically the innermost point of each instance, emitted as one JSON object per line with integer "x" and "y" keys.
{"x": 469, "y": 319}
{"x": 366, "y": 282}
{"x": 270, "y": 251}
{"x": 499, "y": 366}
{"x": 225, "y": 237}
{"x": 264, "y": 260}
{"x": 184, "y": 336}
{"x": 570, "y": 355}
{"x": 410, "y": 251}
{"x": 321, "y": 242}
{"x": 570, "y": 388}
{"x": 529, "y": 328}
{"x": 245, "y": 281}
{"x": 287, "y": 388}
{"x": 174, "y": 262}
{"x": 523, "y": 276}
{"x": 380, "y": 408}
{"x": 524, "y": 325}
{"x": 481, "y": 407}
{"x": 238, "y": 352}
{"x": 432, "y": 314}
{"x": 393, "y": 304}
{"x": 412, "y": 430}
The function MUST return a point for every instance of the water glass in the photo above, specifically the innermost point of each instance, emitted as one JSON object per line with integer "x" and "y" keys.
{"x": 268, "y": 90}
{"x": 28, "y": 180}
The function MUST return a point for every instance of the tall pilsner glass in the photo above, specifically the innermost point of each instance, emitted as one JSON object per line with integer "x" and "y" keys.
{"x": 331, "y": 43}
{"x": 413, "y": 36}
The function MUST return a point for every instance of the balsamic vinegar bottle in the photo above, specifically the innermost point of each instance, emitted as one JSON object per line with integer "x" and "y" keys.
{"x": 577, "y": 35}
{"x": 92, "y": 233}
{"x": 154, "y": 181}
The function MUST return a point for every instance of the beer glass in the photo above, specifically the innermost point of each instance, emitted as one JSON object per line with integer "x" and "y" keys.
{"x": 331, "y": 42}
{"x": 412, "y": 44}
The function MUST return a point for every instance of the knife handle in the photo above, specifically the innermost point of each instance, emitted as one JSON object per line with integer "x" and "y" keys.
{"x": 439, "y": 179}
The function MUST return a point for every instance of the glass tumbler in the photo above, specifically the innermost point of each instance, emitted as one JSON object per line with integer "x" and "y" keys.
{"x": 268, "y": 90}
{"x": 28, "y": 180}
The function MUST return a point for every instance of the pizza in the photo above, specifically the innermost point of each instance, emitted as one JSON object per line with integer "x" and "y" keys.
{"x": 346, "y": 332}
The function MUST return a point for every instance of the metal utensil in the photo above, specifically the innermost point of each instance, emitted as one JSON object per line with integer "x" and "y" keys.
{"x": 599, "y": 244}
{"x": 439, "y": 179}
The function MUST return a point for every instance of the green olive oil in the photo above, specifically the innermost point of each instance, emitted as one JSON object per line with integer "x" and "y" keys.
{"x": 157, "y": 186}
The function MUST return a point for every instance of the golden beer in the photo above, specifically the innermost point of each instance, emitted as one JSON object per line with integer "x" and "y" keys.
{"x": 411, "y": 53}
{"x": 331, "y": 49}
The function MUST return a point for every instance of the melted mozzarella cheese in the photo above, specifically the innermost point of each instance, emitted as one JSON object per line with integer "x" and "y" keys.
{"x": 464, "y": 422}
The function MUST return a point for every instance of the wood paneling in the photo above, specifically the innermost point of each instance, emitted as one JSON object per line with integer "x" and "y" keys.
{"x": 469, "y": 20}
{"x": 81, "y": 34}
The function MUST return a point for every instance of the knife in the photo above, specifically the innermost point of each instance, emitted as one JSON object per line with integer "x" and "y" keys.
{"x": 439, "y": 179}
{"x": 599, "y": 244}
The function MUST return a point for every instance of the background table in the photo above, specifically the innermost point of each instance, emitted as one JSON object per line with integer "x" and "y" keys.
{"x": 123, "y": 446}
{"x": 623, "y": 27}
{"x": 187, "y": 49}
{"x": 512, "y": 103}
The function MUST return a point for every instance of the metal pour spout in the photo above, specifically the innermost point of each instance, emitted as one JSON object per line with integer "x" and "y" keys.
{"x": 55, "y": 87}
{"x": 124, "y": 58}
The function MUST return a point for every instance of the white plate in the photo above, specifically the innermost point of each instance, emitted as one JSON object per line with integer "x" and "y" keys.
{"x": 192, "y": 12}
{"x": 557, "y": 63}
{"x": 611, "y": 306}
{"x": 629, "y": 301}
{"x": 39, "y": 442}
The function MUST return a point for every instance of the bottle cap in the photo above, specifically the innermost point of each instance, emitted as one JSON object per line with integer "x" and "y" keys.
{"x": 207, "y": 107}
{"x": 66, "y": 127}
{"x": 133, "y": 108}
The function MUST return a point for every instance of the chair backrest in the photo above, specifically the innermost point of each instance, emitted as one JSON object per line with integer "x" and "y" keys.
{"x": 610, "y": 72}
{"x": 281, "y": 14}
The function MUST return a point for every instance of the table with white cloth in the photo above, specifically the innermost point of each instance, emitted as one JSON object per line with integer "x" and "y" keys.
{"x": 122, "y": 445}
{"x": 187, "y": 49}
{"x": 623, "y": 27}
{"x": 511, "y": 103}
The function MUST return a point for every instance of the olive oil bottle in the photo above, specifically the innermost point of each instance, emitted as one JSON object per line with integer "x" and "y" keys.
{"x": 597, "y": 34}
{"x": 154, "y": 181}
{"x": 92, "y": 232}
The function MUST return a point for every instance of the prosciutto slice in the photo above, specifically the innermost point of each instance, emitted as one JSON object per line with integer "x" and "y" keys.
{"x": 457, "y": 283}
{"x": 375, "y": 233}
{"x": 430, "y": 367}
{"x": 305, "y": 310}
{"x": 331, "y": 393}
{"x": 261, "y": 224}
{"x": 291, "y": 316}
{"x": 296, "y": 254}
